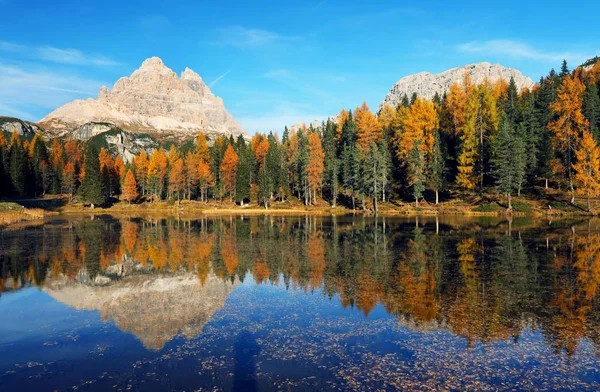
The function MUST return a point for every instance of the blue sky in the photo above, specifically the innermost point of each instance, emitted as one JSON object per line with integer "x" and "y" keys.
{"x": 276, "y": 62}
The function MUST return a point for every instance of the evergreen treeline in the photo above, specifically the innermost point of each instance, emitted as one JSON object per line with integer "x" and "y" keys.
{"x": 472, "y": 138}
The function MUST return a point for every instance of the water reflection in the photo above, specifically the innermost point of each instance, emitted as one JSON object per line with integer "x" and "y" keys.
{"x": 485, "y": 280}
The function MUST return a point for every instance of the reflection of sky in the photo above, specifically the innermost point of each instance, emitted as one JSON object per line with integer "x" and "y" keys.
{"x": 268, "y": 337}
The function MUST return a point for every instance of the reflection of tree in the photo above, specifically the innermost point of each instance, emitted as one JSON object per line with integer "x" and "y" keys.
{"x": 316, "y": 258}
{"x": 484, "y": 289}
{"x": 229, "y": 252}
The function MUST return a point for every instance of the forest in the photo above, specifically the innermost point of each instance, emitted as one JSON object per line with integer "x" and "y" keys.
{"x": 476, "y": 139}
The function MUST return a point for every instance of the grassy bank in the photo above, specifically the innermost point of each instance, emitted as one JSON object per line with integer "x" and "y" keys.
{"x": 11, "y": 213}
{"x": 545, "y": 203}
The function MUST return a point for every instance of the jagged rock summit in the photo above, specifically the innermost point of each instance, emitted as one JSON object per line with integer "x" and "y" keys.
{"x": 426, "y": 84}
{"x": 152, "y": 99}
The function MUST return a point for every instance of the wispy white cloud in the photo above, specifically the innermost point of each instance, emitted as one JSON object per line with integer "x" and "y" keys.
{"x": 57, "y": 55}
{"x": 26, "y": 87}
{"x": 516, "y": 49}
{"x": 248, "y": 38}
{"x": 73, "y": 57}
{"x": 218, "y": 79}
{"x": 11, "y": 47}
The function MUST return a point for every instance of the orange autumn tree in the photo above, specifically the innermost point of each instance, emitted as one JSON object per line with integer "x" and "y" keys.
{"x": 570, "y": 122}
{"x": 202, "y": 150}
{"x": 368, "y": 128}
{"x": 456, "y": 104}
{"x": 130, "y": 192}
{"x": 341, "y": 120}
{"x": 228, "y": 168}
{"x": 140, "y": 167}
{"x": 177, "y": 180}
{"x": 191, "y": 172}
{"x": 157, "y": 171}
{"x": 587, "y": 167}
{"x": 205, "y": 179}
{"x": 418, "y": 127}
{"x": 260, "y": 147}
{"x": 68, "y": 179}
{"x": 316, "y": 164}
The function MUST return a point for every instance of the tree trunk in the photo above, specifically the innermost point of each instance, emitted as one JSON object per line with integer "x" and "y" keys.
{"x": 588, "y": 203}
{"x": 546, "y": 183}
{"x": 509, "y": 201}
{"x": 436, "y": 197}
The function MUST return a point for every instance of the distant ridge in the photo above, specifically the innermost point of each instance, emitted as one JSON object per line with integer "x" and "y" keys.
{"x": 426, "y": 84}
{"x": 152, "y": 99}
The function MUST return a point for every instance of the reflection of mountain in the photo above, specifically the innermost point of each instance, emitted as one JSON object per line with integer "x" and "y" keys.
{"x": 154, "y": 307}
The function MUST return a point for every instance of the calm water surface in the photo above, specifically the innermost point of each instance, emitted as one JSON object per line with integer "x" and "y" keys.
{"x": 300, "y": 303}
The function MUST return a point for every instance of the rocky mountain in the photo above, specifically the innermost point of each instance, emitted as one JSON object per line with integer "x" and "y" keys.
{"x": 152, "y": 100}
{"x": 154, "y": 307}
{"x": 426, "y": 85}
{"x": 24, "y": 128}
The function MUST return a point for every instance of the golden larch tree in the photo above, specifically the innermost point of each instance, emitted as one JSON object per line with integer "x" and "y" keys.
{"x": 587, "y": 167}
{"x": 177, "y": 180}
{"x": 316, "y": 164}
{"x": 260, "y": 147}
{"x": 418, "y": 126}
{"x": 205, "y": 179}
{"x": 570, "y": 122}
{"x": 130, "y": 191}
{"x": 368, "y": 128}
{"x": 229, "y": 167}
{"x": 202, "y": 147}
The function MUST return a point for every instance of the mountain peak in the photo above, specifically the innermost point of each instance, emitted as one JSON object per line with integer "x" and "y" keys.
{"x": 426, "y": 84}
{"x": 189, "y": 74}
{"x": 152, "y": 99}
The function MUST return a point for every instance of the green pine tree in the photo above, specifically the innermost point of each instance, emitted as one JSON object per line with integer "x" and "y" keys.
{"x": 416, "y": 172}
{"x": 508, "y": 160}
{"x": 436, "y": 168}
{"x": 591, "y": 109}
{"x": 91, "y": 187}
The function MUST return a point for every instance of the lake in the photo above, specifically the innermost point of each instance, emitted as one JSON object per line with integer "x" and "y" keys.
{"x": 300, "y": 303}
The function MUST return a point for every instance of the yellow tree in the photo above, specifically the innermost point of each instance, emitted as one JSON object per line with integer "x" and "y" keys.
{"x": 191, "y": 172}
{"x": 202, "y": 147}
{"x": 68, "y": 179}
{"x": 177, "y": 180}
{"x": 316, "y": 165}
{"x": 456, "y": 105}
{"x": 481, "y": 123}
{"x": 570, "y": 122}
{"x": 228, "y": 168}
{"x": 341, "y": 120}
{"x": 260, "y": 148}
{"x": 130, "y": 187}
{"x": 157, "y": 171}
{"x": 418, "y": 125}
{"x": 387, "y": 118}
{"x": 205, "y": 179}
{"x": 587, "y": 167}
{"x": 368, "y": 128}
{"x": 140, "y": 166}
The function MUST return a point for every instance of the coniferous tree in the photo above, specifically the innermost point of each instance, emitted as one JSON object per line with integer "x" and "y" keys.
{"x": 416, "y": 172}
{"x": 245, "y": 168}
{"x": 91, "y": 186}
{"x": 591, "y": 109}
{"x": 587, "y": 167}
{"x": 507, "y": 160}
{"x": 436, "y": 168}
{"x": 564, "y": 70}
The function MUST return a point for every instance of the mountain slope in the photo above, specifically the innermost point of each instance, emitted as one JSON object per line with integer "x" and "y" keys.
{"x": 426, "y": 85}
{"x": 152, "y": 99}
